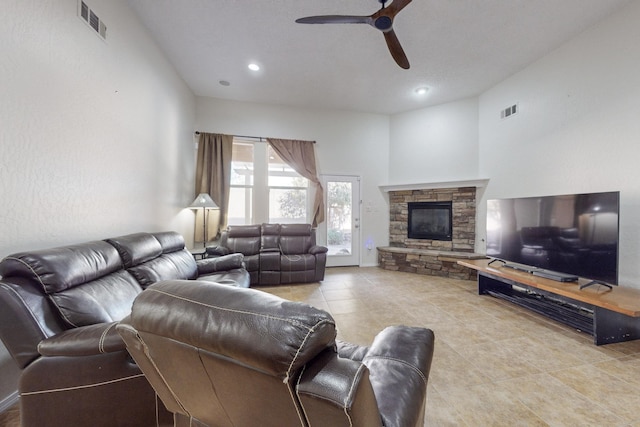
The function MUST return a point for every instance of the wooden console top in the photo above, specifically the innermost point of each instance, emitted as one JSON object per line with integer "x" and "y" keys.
{"x": 620, "y": 299}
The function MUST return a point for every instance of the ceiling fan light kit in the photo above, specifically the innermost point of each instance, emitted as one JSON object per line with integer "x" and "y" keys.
{"x": 381, "y": 20}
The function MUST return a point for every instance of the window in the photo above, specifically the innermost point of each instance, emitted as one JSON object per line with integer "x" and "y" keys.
{"x": 264, "y": 188}
{"x": 241, "y": 192}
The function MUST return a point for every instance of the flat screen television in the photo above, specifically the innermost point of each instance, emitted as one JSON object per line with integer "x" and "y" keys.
{"x": 573, "y": 233}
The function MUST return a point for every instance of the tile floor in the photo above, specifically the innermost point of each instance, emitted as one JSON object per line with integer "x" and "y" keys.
{"x": 495, "y": 364}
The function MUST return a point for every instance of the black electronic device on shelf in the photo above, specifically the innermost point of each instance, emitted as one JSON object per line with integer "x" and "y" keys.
{"x": 554, "y": 275}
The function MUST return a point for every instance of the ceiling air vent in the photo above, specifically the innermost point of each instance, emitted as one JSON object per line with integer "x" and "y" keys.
{"x": 91, "y": 19}
{"x": 509, "y": 111}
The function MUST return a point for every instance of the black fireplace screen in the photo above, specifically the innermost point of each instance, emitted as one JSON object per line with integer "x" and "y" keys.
{"x": 430, "y": 220}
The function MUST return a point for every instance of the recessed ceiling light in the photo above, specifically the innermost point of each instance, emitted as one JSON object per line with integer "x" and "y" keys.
{"x": 422, "y": 90}
{"x": 254, "y": 67}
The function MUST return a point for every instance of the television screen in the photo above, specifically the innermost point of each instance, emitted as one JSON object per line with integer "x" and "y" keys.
{"x": 574, "y": 233}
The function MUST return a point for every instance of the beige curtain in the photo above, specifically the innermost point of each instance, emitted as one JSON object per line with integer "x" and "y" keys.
{"x": 213, "y": 176}
{"x": 300, "y": 155}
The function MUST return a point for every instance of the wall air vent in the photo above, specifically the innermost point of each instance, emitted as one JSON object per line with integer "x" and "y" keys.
{"x": 91, "y": 19}
{"x": 509, "y": 111}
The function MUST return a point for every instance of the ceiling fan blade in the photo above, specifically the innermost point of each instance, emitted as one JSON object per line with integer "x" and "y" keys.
{"x": 396, "y": 49}
{"x": 334, "y": 19}
{"x": 397, "y": 6}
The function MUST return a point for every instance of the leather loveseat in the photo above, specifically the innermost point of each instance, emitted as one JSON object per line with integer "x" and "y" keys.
{"x": 58, "y": 311}
{"x": 275, "y": 253}
{"x": 248, "y": 358}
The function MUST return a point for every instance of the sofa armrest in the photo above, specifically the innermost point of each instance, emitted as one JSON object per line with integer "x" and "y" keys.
{"x": 218, "y": 250}
{"x": 83, "y": 341}
{"x": 317, "y": 249}
{"x": 399, "y": 361}
{"x": 334, "y": 391}
{"x": 222, "y": 263}
{"x": 351, "y": 351}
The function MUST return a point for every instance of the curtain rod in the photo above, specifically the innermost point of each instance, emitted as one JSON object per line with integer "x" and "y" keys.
{"x": 259, "y": 138}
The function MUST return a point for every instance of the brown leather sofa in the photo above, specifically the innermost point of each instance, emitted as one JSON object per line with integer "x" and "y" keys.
{"x": 58, "y": 311}
{"x": 275, "y": 253}
{"x": 227, "y": 356}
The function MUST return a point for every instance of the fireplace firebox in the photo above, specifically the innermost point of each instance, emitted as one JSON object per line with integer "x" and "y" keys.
{"x": 430, "y": 220}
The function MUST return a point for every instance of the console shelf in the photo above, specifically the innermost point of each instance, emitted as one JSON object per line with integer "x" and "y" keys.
{"x": 609, "y": 315}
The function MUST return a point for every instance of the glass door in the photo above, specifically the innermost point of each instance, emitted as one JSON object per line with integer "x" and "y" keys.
{"x": 341, "y": 227}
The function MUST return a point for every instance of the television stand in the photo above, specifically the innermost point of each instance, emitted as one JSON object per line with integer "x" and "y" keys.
{"x": 608, "y": 314}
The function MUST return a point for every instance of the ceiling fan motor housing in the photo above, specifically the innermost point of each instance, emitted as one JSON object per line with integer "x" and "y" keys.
{"x": 383, "y": 23}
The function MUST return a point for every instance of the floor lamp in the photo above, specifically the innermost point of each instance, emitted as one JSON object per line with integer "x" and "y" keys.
{"x": 205, "y": 202}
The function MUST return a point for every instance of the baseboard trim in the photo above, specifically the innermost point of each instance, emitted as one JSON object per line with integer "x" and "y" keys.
{"x": 9, "y": 401}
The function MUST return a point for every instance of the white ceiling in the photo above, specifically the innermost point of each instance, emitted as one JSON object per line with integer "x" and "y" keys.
{"x": 458, "y": 48}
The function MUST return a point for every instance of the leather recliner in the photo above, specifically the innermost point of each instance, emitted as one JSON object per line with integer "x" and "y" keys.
{"x": 244, "y": 239}
{"x": 58, "y": 311}
{"x": 275, "y": 253}
{"x": 301, "y": 260}
{"x": 225, "y": 356}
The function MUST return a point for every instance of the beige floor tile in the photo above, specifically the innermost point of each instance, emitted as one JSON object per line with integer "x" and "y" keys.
{"x": 491, "y": 405}
{"x": 626, "y": 368}
{"x": 451, "y": 371}
{"x": 499, "y": 361}
{"x": 558, "y": 404}
{"x": 441, "y": 413}
{"x": 603, "y": 389}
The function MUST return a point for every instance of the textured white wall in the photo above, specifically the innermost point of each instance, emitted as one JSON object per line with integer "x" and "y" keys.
{"x": 435, "y": 144}
{"x": 95, "y": 136}
{"x": 347, "y": 144}
{"x": 577, "y": 129}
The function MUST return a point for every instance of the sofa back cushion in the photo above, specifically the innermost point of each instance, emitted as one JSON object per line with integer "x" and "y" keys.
{"x": 244, "y": 239}
{"x": 270, "y": 237}
{"x": 220, "y": 342}
{"x": 136, "y": 248}
{"x": 154, "y": 257}
{"x": 254, "y": 328}
{"x": 85, "y": 282}
{"x": 296, "y": 238}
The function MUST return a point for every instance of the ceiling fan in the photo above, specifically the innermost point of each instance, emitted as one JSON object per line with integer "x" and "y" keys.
{"x": 381, "y": 20}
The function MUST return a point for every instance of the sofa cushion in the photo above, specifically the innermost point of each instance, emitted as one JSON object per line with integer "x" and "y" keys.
{"x": 85, "y": 282}
{"x": 300, "y": 262}
{"x": 136, "y": 248}
{"x": 154, "y": 257}
{"x": 107, "y": 299}
{"x": 175, "y": 265}
{"x": 296, "y": 238}
{"x": 62, "y": 268}
{"x": 244, "y": 239}
{"x": 270, "y": 237}
{"x": 170, "y": 241}
{"x": 252, "y": 327}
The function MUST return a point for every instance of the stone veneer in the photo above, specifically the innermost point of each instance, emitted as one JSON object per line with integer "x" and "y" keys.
{"x": 463, "y": 201}
{"x": 425, "y": 256}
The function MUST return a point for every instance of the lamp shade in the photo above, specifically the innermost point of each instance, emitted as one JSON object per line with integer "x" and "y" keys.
{"x": 203, "y": 200}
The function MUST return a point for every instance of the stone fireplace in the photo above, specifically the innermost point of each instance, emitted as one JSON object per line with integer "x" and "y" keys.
{"x": 432, "y": 256}
{"x": 463, "y": 216}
